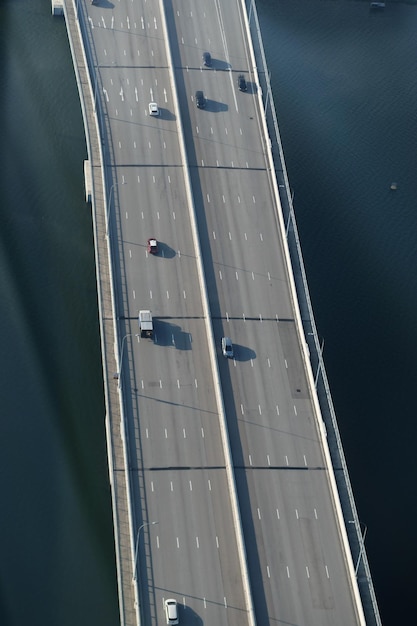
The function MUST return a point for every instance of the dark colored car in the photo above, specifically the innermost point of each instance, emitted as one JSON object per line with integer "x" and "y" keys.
{"x": 241, "y": 83}
{"x": 206, "y": 59}
{"x": 200, "y": 99}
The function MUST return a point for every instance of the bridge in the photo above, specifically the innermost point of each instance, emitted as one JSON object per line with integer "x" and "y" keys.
{"x": 229, "y": 486}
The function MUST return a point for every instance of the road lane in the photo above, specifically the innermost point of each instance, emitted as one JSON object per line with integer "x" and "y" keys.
{"x": 176, "y": 459}
{"x": 271, "y": 418}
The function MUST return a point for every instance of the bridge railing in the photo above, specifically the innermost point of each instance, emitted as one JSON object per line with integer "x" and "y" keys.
{"x": 86, "y": 65}
{"x": 353, "y": 525}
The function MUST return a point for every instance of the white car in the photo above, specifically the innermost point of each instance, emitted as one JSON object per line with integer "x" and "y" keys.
{"x": 171, "y": 611}
{"x": 153, "y": 109}
{"x": 227, "y": 347}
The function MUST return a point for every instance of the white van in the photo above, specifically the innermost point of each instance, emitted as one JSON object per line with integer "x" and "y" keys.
{"x": 171, "y": 611}
{"x": 227, "y": 347}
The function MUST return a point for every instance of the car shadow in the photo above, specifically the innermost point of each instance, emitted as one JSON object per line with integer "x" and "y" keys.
{"x": 189, "y": 616}
{"x": 216, "y": 107}
{"x": 167, "y": 334}
{"x": 219, "y": 65}
{"x": 251, "y": 87}
{"x": 166, "y": 114}
{"x": 165, "y": 251}
{"x": 243, "y": 353}
{"x": 103, "y": 4}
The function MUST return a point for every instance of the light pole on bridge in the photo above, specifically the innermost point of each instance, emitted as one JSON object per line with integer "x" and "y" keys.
{"x": 119, "y": 384}
{"x": 135, "y": 566}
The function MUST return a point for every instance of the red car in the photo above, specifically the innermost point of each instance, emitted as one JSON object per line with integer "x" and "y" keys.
{"x": 152, "y": 245}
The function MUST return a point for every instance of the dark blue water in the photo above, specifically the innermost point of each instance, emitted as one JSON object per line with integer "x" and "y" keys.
{"x": 56, "y": 541}
{"x": 345, "y": 86}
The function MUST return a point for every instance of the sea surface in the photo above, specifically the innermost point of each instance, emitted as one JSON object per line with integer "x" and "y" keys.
{"x": 345, "y": 88}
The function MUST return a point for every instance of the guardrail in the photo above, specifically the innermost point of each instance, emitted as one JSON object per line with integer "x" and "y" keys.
{"x": 353, "y": 526}
{"x": 85, "y": 62}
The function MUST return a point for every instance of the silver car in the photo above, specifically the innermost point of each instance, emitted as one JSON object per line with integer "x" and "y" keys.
{"x": 227, "y": 347}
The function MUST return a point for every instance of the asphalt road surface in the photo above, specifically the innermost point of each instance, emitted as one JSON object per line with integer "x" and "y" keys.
{"x": 297, "y": 567}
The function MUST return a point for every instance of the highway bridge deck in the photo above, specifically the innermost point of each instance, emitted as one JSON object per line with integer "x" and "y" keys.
{"x": 202, "y": 182}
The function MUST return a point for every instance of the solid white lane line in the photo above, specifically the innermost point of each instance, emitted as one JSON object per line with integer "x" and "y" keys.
{"x": 191, "y": 485}
{"x": 308, "y": 573}
{"x": 250, "y": 459}
{"x": 288, "y": 571}
{"x": 242, "y": 409}
{"x": 217, "y": 541}
{"x": 305, "y": 460}
{"x": 267, "y": 571}
{"x": 296, "y": 513}
{"x": 278, "y": 514}
{"x": 295, "y": 409}
{"x": 268, "y": 459}
{"x": 286, "y": 459}
{"x": 277, "y": 408}
{"x": 259, "y": 514}
{"x": 178, "y": 383}
{"x": 202, "y": 433}
{"x": 327, "y": 571}
{"x": 166, "y": 437}
{"x": 185, "y": 437}
{"x": 197, "y": 542}
{"x": 209, "y": 484}
{"x": 315, "y": 514}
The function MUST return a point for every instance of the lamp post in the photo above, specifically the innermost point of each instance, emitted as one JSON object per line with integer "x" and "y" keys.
{"x": 119, "y": 384}
{"x": 135, "y": 566}
{"x": 111, "y": 195}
